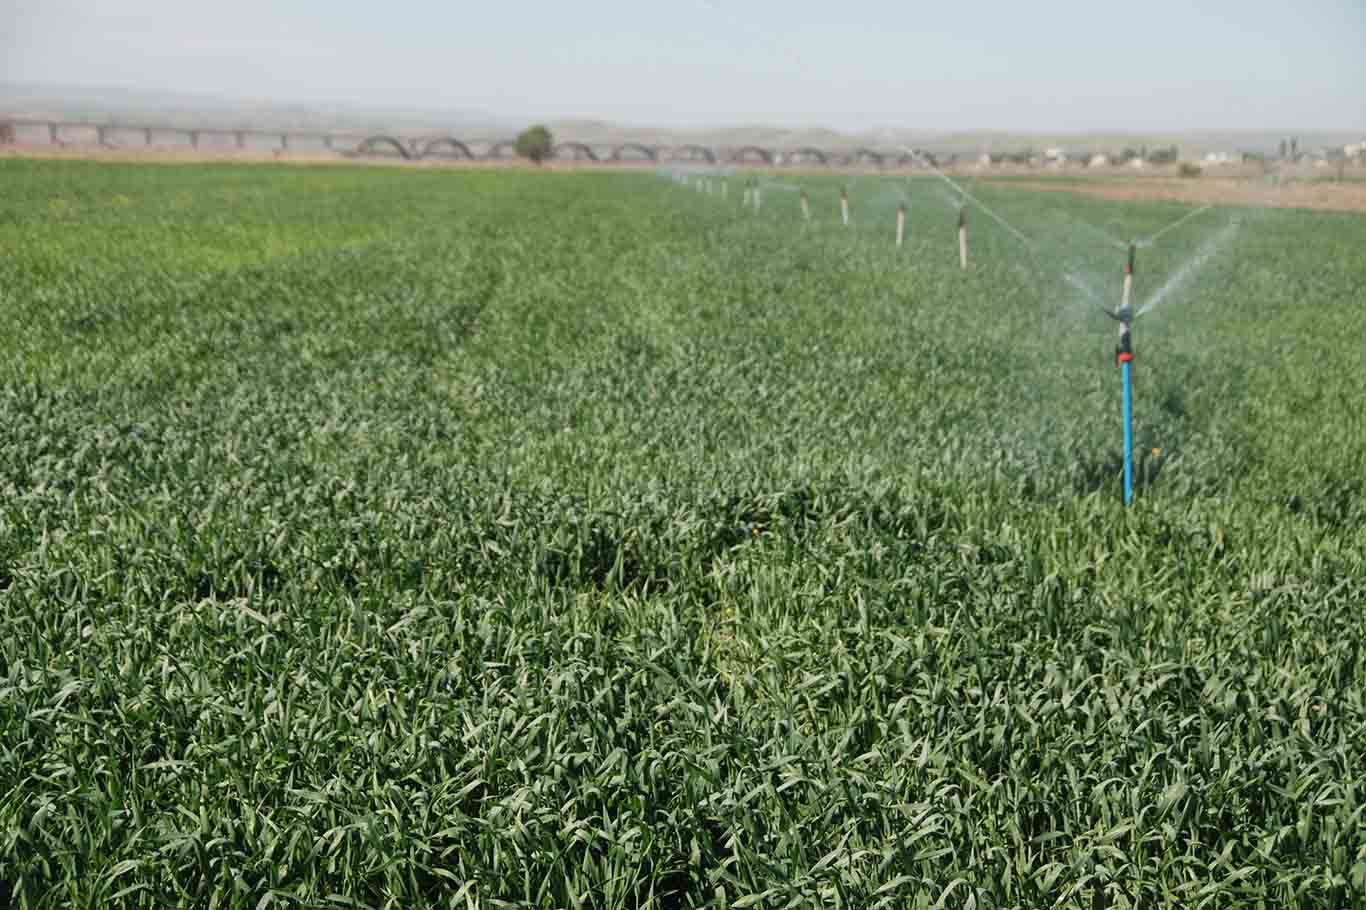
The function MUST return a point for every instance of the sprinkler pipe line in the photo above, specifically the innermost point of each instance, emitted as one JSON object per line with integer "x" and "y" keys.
{"x": 963, "y": 238}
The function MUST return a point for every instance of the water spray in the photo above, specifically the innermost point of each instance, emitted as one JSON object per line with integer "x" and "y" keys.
{"x": 963, "y": 238}
{"x": 806, "y": 207}
{"x": 844, "y": 205}
{"x": 900, "y": 224}
{"x": 1212, "y": 245}
{"x": 1124, "y": 359}
{"x": 968, "y": 196}
{"x": 1174, "y": 225}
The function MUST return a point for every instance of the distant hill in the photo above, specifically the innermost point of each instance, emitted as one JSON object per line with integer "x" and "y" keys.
{"x": 189, "y": 109}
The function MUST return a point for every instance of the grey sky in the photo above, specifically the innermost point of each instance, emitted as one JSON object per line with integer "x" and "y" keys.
{"x": 943, "y": 64}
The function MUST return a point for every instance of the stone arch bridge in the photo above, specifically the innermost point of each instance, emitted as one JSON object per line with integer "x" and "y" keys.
{"x": 416, "y": 148}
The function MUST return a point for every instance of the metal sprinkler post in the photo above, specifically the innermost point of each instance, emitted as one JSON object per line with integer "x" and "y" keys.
{"x": 806, "y": 207}
{"x": 900, "y": 223}
{"x": 844, "y": 205}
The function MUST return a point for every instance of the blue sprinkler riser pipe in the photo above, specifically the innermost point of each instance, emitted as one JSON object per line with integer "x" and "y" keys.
{"x": 1127, "y": 369}
{"x": 1124, "y": 357}
{"x": 1124, "y": 360}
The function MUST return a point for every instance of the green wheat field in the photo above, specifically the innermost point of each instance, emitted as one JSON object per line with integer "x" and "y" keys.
{"x": 374, "y": 537}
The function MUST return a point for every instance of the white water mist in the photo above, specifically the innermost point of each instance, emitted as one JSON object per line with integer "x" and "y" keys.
{"x": 1207, "y": 250}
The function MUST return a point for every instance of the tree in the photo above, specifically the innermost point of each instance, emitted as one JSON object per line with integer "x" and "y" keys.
{"x": 535, "y": 143}
{"x": 1163, "y": 156}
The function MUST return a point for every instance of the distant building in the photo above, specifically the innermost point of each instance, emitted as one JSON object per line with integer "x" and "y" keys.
{"x": 1099, "y": 161}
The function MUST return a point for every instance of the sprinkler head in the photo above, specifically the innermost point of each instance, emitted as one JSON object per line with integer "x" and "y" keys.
{"x": 1129, "y": 269}
{"x": 1124, "y": 351}
{"x": 962, "y": 218}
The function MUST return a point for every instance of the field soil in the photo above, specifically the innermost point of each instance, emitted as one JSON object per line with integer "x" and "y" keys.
{"x": 1348, "y": 196}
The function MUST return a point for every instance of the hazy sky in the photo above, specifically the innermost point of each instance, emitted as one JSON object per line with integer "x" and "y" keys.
{"x": 942, "y": 64}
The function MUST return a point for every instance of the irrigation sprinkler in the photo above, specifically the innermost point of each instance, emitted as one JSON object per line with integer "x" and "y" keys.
{"x": 963, "y": 237}
{"x": 900, "y": 223}
{"x": 758, "y": 200}
{"x": 1124, "y": 359}
{"x": 806, "y": 207}
{"x": 844, "y": 205}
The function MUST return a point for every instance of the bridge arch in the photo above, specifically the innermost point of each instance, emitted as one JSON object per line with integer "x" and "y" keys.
{"x": 619, "y": 153}
{"x": 575, "y": 151}
{"x": 693, "y": 153}
{"x": 450, "y": 142}
{"x": 749, "y": 152}
{"x": 371, "y": 144}
{"x": 807, "y": 154}
{"x": 864, "y": 154}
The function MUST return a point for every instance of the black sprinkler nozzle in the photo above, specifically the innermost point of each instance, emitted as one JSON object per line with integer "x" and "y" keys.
{"x": 1133, "y": 250}
{"x": 1124, "y": 351}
